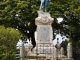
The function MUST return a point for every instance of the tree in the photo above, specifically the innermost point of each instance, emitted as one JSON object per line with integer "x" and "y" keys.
{"x": 19, "y": 17}
{"x": 8, "y": 40}
{"x": 18, "y": 13}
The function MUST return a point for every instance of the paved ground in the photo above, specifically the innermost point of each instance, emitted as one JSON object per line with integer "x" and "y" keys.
{"x": 33, "y": 57}
{"x": 53, "y": 59}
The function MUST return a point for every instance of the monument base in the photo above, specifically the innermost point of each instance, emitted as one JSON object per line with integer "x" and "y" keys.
{"x": 70, "y": 59}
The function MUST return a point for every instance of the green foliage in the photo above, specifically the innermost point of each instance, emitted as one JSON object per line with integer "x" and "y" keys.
{"x": 18, "y": 13}
{"x": 8, "y": 40}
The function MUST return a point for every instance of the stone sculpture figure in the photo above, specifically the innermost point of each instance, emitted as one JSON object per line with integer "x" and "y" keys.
{"x": 44, "y": 4}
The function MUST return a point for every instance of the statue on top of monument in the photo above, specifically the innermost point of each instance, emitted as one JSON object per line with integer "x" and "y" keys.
{"x": 44, "y": 4}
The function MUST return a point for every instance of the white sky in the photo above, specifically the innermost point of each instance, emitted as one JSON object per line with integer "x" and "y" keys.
{"x": 19, "y": 43}
{"x": 59, "y": 19}
{"x": 55, "y": 40}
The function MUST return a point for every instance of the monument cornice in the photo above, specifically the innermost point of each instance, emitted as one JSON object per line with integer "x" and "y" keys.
{"x": 43, "y": 18}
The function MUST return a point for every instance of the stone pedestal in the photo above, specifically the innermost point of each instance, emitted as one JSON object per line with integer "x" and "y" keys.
{"x": 70, "y": 59}
{"x": 44, "y": 44}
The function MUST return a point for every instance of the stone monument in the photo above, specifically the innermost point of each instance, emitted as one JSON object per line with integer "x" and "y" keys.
{"x": 44, "y": 44}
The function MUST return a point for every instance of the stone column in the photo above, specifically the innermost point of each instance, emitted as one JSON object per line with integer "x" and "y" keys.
{"x": 44, "y": 34}
{"x": 30, "y": 46}
{"x": 69, "y": 51}
{"x": 22, "y": 51}
{"x": 62, "y": 52}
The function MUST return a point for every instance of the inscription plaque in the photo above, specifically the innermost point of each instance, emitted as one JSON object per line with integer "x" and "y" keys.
{"x": 44, "y": 34}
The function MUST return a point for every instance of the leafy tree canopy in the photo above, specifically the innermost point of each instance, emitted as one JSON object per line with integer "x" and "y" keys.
{"x": 8, "y": 40}
{"x": 18, "y": 13}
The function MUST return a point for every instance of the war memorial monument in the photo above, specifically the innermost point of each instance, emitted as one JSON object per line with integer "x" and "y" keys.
{"x": 44, "y": 42}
